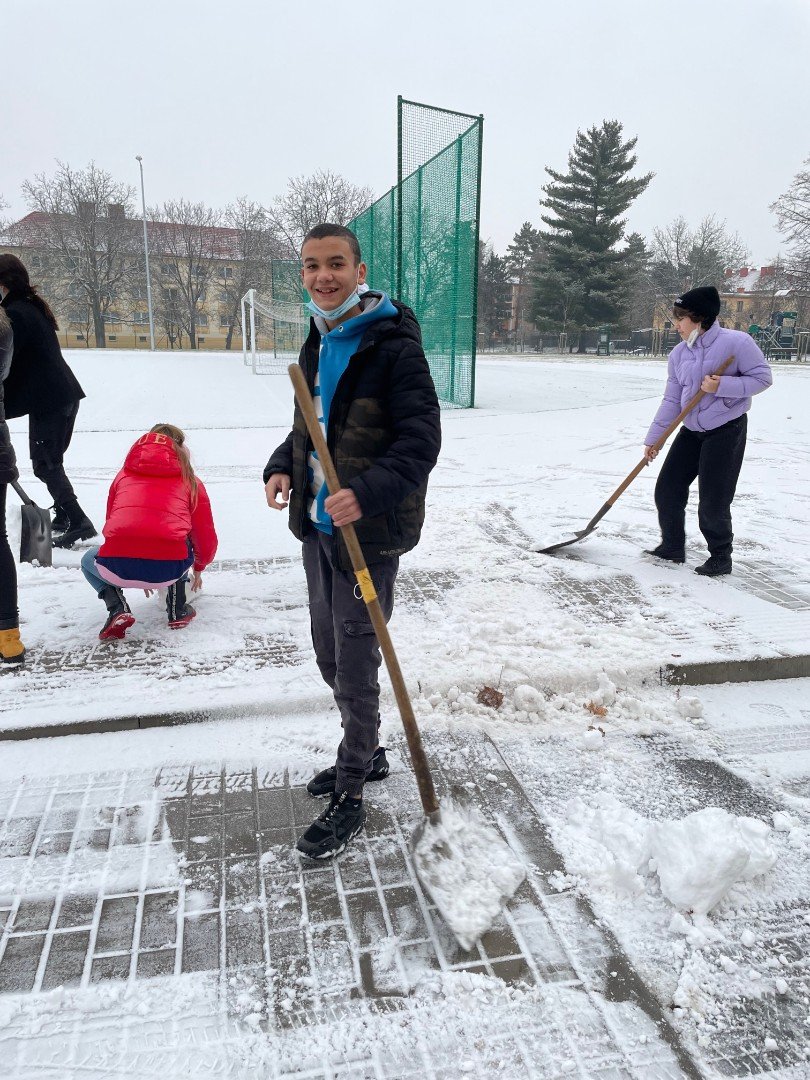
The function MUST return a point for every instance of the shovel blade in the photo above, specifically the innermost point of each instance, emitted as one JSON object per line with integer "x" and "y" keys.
{"x": 467, "y": 868}
{"x": 565, "y": 543}
{"x": 35, "y": 536}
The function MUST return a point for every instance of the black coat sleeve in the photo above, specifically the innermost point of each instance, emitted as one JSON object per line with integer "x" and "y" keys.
{"x": 416, "y": 429}
{"x": 281, "y": 460}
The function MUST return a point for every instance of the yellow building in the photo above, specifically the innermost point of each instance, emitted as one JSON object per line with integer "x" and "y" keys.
{"x": 199, "y": 269}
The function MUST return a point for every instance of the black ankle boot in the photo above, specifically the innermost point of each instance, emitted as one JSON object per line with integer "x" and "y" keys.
{"x": 670, "y": 554}
{"x": 60, "y": 521}
{"x": 715, "y": 566}
{"x": 79, "y": 526}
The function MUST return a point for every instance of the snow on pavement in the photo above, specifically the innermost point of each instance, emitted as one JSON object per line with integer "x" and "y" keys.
{"x": 682, "y": 817}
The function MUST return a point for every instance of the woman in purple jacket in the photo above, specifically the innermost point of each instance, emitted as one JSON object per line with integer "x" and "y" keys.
{"x": 711, "y": 442}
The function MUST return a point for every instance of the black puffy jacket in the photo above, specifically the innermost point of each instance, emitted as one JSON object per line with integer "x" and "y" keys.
{"x": 8, "y": 462}
{"x": 40, "y": 380}
{"x": 384, "y": 434}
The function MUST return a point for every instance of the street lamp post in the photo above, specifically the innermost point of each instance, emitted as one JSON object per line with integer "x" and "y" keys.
{"x": 139, "y": 159}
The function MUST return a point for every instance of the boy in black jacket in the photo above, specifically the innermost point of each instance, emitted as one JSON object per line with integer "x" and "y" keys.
{"x": 366, "y": 369}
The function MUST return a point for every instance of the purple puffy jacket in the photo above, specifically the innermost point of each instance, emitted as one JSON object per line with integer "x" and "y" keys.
{"x": 748, "y": 374}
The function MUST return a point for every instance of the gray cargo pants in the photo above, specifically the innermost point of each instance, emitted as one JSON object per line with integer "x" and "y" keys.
{"x": 347, "y": 652}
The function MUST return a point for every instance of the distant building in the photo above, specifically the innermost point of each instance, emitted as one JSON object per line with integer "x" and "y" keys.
{"x": 215, "y": 259}
{"x": 751, "y": 295}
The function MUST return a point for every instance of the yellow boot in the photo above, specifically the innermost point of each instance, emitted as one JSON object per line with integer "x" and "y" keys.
{"x": 12, "y": 650}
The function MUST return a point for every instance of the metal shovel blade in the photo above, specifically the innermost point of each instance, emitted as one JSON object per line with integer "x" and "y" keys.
{"x": 565, "y": 543}
{"x": 467, "y": 868}
{"x": 35, "y": 535}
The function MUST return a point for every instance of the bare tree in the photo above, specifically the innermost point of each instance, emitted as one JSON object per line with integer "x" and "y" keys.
{"x": 188, "y": 245}
{"x": 255, "y": 247}
{"x": 85, "y": 236}
{"x": 793, "y": 216}
{"x": 310, "y": 200}
{"x": 683, "y": 258}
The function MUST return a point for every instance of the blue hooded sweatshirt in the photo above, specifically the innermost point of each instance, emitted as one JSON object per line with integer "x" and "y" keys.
{"x": 337, "y": 348}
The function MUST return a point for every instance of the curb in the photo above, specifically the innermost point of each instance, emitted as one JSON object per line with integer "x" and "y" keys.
{"x": 761, "y": 669}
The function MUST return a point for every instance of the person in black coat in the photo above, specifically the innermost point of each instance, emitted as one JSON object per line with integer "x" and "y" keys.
{"x": 375, "y": 398}
{"x": 11, "y": 648}
{"x": 41, "y": 384}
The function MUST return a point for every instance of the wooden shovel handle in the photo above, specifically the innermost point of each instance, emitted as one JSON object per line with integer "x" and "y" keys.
{"x": 424, "y": 780}
{"x": 628, "y": 480}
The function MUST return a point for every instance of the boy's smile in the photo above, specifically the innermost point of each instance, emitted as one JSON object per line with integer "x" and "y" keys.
{"x": 329, "y": 273}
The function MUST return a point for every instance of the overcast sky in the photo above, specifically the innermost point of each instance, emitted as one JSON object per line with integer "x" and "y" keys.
{"x": 229, "y": 99}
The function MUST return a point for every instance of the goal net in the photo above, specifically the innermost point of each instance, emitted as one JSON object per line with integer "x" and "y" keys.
{"x": 273, "y": 332}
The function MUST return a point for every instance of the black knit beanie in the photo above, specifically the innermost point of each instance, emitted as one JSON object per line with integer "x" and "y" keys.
{"x": 703, "y": 303}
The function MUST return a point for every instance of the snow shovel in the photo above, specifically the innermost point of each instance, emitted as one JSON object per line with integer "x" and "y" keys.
{"x": 465, "y": 866}
{"x": 628, "y": 480}
{"x": 35, "y": 534}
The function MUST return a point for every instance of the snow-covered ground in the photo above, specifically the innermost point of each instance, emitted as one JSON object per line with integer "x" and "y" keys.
{"x": 682, "y": 816}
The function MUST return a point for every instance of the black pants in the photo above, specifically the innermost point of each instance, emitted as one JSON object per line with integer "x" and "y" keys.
{"x": 9, "y": 616}
{"x": 347, "y": 652}
{"x": 715, "y": 458}
{"x": 49, "y": 436}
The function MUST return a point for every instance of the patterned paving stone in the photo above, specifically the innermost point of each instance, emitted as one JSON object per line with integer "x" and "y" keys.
{"x": 200, "y": 878}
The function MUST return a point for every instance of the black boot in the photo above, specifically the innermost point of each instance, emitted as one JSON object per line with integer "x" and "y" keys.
{"x": 670, "y": 554}
{"x": 60, "y": 521}
{"x": 323, "y": 783}
{"x": 119, "y": 617}
{"x": 178, "y": 612}
{"x": 79, "y": 526}
{"x": 715, "y": 566}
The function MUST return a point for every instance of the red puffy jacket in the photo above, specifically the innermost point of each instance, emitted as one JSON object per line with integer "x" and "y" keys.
{"x": 149, "y": 514}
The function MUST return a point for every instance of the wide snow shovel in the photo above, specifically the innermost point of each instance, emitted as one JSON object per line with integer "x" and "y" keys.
{"x": 35, "y": 534}
{"x": 628, "y": 480}
{"x": 466, "y": 867}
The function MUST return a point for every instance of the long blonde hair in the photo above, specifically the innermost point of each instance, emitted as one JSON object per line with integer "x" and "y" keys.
{"x": 178, "y": 437}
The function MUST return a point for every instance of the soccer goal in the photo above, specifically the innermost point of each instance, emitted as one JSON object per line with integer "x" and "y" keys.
{"x": 273, "y": 332}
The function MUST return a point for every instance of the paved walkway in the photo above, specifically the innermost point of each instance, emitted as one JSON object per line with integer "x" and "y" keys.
{"x": 127, "y": 884}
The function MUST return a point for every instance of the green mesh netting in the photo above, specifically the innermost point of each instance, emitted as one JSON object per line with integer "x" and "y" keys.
{"x": 420, "y": 241}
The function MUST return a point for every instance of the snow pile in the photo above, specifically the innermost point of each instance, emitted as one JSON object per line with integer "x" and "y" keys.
{"x": 701, "y": 856}
{"x": 697, "y": 859}
{"x": 468, "y": 870}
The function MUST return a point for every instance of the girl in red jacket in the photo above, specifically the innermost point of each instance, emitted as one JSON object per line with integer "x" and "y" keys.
{"x": 158, "y": 527}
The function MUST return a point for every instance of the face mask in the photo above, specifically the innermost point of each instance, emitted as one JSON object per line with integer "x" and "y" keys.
{"x": 335, "y": 313}
{"x": 690, "y": 341}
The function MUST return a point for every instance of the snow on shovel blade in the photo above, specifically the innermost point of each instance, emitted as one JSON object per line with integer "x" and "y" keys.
{"x": 565, "y": 543}
{"x": 467, "y": 868}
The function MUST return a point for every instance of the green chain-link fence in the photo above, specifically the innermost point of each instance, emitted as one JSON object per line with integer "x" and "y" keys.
{"x": 420, "y": 241}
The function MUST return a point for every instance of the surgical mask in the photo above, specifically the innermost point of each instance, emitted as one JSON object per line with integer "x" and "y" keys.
{"x": 690, "y": 341}
{"x": 338, "y": 312}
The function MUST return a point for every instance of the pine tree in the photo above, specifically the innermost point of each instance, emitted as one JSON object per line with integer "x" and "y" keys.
{"x": 638, "y": 308}
{"x": 584, "y": 279}
{"x": 494, "y": 289}
{"x": 519, "y": 259}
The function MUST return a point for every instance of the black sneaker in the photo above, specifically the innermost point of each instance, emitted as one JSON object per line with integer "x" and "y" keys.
{"x": 323, "y": 783}
{"x": 84, "y": 529}
{"x": 715, "y": 566}
{"x": 329, "y": 833}
{"x": 676, "y": 555}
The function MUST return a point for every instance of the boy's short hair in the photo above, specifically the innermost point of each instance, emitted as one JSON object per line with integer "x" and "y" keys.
{"x": 320, "y": 232}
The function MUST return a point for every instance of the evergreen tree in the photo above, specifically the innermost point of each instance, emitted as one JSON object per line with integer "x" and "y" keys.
{"x": 494, "y": 296}
{"x": 584, "y": 279}
{"x": 639, "y": 305}
{"x": 520, "y": 256}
